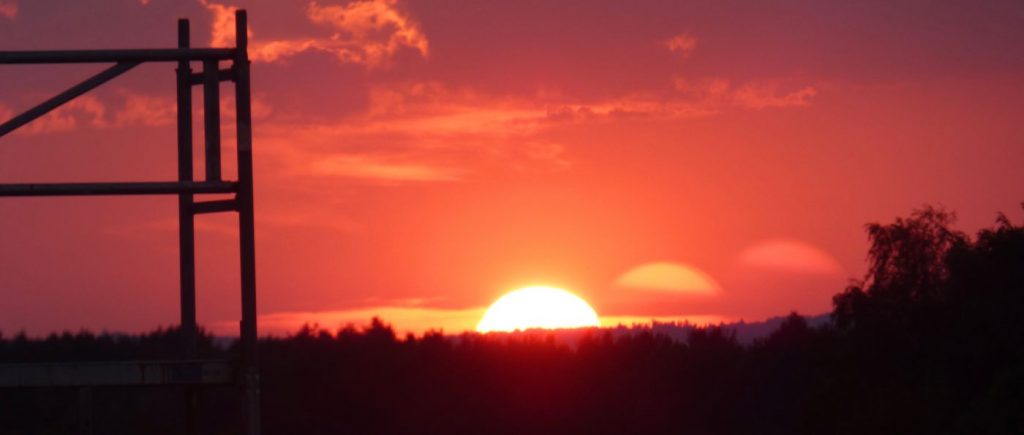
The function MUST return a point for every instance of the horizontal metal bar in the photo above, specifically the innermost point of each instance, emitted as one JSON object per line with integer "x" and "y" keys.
{"x": 138, "y": 188}
{"x": 68, "y": 95}
{"x": 120, "y": 373}
{"x": 215, "y": 206}
{"x": 224, "y": 75}
{"x": 129, "y": 55}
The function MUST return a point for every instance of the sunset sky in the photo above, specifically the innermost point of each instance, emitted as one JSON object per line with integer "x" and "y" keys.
{"x": 417, "y": 159}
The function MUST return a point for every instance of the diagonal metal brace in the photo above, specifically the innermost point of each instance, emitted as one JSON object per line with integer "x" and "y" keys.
{"x": 68, "y": 95}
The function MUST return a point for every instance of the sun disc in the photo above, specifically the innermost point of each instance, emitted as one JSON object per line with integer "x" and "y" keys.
{"x": 537, "y": 307}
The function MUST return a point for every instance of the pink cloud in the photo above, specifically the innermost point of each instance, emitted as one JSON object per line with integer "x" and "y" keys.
{"x": 89, "y": 111}
{"x": 140, "y": 109}
{"x": 380, "y": 168}
{"x": 417, "y": 132}
{"x": 432, "y": 108}
{"x": 682, "y": 43}
{"x": 720, "y": 92}
{"x": 84, "y": 110}
{"x": 707, "y": 88}
{"x": 223, "y": 32}
{"x": 8, "y": 9}
{"x": 272, "y": 51}
{"x": 767, "y": 96}
{"x": 426, "y": 131}
{"x": 368, "y": 32}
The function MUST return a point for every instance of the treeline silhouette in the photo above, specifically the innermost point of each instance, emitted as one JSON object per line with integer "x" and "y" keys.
{"x": 930, "y": 341}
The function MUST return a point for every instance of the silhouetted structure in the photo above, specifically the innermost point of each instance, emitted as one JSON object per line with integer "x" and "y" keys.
{"x": 185, "y": 370}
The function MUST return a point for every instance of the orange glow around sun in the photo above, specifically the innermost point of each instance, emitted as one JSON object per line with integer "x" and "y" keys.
{"x": 537, "y": 307}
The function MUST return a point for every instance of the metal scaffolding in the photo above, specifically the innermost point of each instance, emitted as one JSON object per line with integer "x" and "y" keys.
{"x": 188, "y": 371}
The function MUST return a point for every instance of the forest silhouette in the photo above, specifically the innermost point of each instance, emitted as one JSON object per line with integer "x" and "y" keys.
{"x": 929, "y": 341}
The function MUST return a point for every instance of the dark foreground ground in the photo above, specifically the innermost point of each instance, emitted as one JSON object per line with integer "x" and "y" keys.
{"x": 930, "y": 342}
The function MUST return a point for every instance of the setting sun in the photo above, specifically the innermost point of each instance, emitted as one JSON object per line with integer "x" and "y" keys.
{"x": 537, "y": 307}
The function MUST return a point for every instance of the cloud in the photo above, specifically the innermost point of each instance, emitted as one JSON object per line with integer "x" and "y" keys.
{"x": 418, "y": 132}
{"x": 8, "y": 9}
{"x": 84, "y": 110}
{"x": 669, "y": 277}
{"x": 432, "y": 108}
{"x": 766, "y": 96}
{"x": 709, "y": 88}
{"x": 376, "y": 168}
{"x": 427, "y": 132}
{"x": 682, "y": 43}
{"x": 89, "y": 111}
{"x": 630, "y": 106}
{"x": 368, "y": 32}
{"x": 719, "y": 92}
{"x": 223, "y": 32}
{"x": 147, "y": 110}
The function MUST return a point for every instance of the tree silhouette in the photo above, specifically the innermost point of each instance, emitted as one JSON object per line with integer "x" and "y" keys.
{"x": 907, "y": 270}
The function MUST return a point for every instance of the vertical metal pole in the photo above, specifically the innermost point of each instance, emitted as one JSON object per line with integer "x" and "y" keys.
{"x": 211, "y": 118}
{"x": 186, "y": 224}
{"x": 246, "y": 226}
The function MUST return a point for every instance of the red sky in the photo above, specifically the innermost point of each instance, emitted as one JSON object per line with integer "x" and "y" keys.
{"x": 416, "y": 159}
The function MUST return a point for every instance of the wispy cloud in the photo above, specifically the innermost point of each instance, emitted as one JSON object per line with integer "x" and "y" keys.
{"x": 761, "y": 96}
{"x": 418, "y": 132}
{"x": 8, "y": 9}
{"x": 223, "y": 32}
{"x": 368, "y": 32}
{"x": 719, "y": 92}
{"x": 380, "y": 168}
{"x": 682, "y": 43}
{"x": 124, "y": 109}
{"x": 85, "y": 110}
{"x": 148, "y": 110}
{"x": 429, "y": 132}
